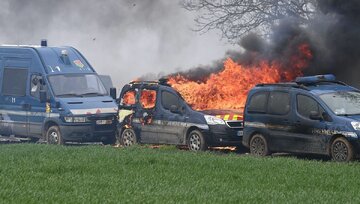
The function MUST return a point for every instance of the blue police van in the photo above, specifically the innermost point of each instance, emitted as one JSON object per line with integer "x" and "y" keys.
{"x": 53, "y": 93}
{"x": 314, "y": 114}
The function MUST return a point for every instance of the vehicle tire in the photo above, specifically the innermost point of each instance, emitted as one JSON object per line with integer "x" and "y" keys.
{"x": 342, "y": 150}
{"x": 128, "y": 137}
{"x": 259, "y": 146}
{"x": 196, "y": 141}
{"x": 110, "y": 140}
{"x": 53, "y": 136}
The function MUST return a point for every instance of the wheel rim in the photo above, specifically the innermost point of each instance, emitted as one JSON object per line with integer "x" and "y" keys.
{"x": 340, "y": 151}
{"x": 258, "y": 146}
{"x": 53, "y": 137}
{"x": 128, "y": 138}
{"x": 195, "y": 142}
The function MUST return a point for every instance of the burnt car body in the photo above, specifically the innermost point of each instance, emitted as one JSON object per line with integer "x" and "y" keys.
{"x": 154, "y": 113}
{"x": 315, "y": 114}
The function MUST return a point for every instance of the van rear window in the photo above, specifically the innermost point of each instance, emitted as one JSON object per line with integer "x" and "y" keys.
{"x": 14, "y": 81}
{"x": 279, "y": 103}
{"x": 258, "y": 103}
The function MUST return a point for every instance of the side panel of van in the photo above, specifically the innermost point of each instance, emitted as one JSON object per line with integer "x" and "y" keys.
{"x": 21, "y": 112}
{"x": 15, "y": 71}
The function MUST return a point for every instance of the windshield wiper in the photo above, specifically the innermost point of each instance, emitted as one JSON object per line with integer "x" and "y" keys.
{"x": 92, "y": 93}
{"x": 348, "y": 114}
{"x": 69, "y": 95}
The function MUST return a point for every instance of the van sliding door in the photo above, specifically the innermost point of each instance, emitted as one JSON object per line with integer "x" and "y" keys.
{"x": 15, "y": 106}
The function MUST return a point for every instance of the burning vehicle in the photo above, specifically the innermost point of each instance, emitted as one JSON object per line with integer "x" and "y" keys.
{"x": 315, "y": 114}
{"x": 201, "y": 107}
{"x": 152, "y": 112}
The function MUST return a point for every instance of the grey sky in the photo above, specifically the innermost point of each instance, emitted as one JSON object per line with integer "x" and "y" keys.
{"x": 123, "y": 38}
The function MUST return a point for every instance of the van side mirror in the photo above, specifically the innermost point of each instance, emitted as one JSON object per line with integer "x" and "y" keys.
{"x": 326, "y": 117}
{"x": 113, "y": 93}
{"x": 43, "y": 96}
{"x": 314, "y": 115}
{"x": 35, "y": 81}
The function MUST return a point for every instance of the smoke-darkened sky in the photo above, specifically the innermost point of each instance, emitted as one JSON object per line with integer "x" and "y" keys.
{"x": 123, "y": 38}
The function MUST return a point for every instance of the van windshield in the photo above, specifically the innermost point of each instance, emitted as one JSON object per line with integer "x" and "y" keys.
{"x": 343, "y": 102}
{"x": 77, "y": 85}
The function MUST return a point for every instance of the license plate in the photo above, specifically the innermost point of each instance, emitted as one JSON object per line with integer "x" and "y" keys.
{"x": 240, "y": 133}
{"x": 103, "y": 122}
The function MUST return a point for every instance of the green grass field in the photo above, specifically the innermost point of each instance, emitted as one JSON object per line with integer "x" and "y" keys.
{"x": 33, "y": 173}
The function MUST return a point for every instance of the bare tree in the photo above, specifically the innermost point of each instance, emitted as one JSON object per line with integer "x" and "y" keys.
{"x": 235, "y": 18}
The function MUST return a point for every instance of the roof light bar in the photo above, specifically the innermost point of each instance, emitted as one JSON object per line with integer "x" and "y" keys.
{"x": 315, "y": 79}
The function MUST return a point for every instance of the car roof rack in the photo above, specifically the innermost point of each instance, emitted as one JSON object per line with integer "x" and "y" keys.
{"x": 287, "y": 85}
{"x": 323, "y": 82}
{"x": 144, "y": 82}
{"x": 161, "y": 81}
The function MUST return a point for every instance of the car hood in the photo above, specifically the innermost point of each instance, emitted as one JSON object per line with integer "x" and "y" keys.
{"x": 354, "y": 117}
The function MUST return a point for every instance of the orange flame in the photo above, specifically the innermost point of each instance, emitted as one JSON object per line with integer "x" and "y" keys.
{"x": 148, "y": 98}
{"x": 228, "y": 89}
{"x": 129, "y": 98}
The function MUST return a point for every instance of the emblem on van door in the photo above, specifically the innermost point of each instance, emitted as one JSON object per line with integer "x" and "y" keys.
{"x": 13, "y": 100}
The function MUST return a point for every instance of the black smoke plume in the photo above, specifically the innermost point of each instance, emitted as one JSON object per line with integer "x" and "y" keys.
{"x": 333, "y": 35}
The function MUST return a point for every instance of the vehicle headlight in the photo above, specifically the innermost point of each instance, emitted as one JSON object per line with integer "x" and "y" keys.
{"x": 356, "y": 125}
{"x": 76, "y": 119}
{"x": 212, "y": 120}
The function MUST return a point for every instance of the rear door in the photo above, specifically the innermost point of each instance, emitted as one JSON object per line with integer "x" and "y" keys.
{"x": 14, "y": 97}
{"x": 279, "y": 120}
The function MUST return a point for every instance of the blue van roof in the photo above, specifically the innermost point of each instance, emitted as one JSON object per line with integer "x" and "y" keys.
{"x": 63, "y": 60}
{"x": 57, "y": 60}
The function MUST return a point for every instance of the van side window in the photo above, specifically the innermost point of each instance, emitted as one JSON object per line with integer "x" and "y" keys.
{"x": 129, "y": 98}
{"x": 279, "y": 103}
{"x": 14, "y": 81}
{"x": 148, "y": 99}
{"x": 306, "y": 104}
{"x": 258, "y": 103}
{"x": 168, "y": 99}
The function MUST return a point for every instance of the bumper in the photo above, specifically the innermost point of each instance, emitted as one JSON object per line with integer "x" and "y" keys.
{"x": 89, "y": 132}
{"x": 222, "y": 135}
